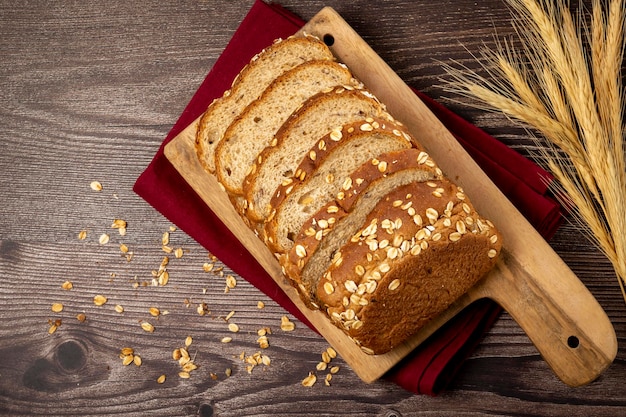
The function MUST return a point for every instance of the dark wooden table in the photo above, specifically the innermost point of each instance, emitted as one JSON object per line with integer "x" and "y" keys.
{"x": 89, "y": 90}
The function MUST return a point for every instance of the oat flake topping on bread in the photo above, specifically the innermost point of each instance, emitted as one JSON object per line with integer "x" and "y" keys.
{"x": 364, "y": 224}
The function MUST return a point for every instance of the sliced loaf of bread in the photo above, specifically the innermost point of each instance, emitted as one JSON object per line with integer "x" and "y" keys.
{"x": 255, "y": 127}
{"x": 419, "y": 250}
{"x": 361, "y": 219}
{"x": 264, "y": 67}
{"x": 295, "y": 140}
{"x": 321, "y": 234}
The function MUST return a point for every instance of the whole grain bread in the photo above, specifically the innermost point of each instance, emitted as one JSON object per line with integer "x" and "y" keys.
{"x": 419, "y": 250}
{"x": 253, "y": 79}
{"x": 296, "y": 139}
{"x": 255, "y": 127}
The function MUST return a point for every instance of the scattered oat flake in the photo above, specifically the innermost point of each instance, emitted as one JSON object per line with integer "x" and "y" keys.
{"x": 81, "y": 317}
{"x": 310, "y": 380}
{"x": 147, "y": 327}
{"x": 57, "y": 307}
{"x": 154, "y": 312}
{"x": 165, "y": 239}
{"x": 263, "y": 342}
{"x": 127, "y": 360}
{"x": 67, "y": 285}
{"x": 203, "y": 309}
{"x": 260, "y": 304}
{"x": 334, "y": 369}
{"x": 137, "y": 360}
{"x": 184, "y": 375}
{"x": 231, "y": 281}
{"x": 286, "y": 325}
{"x": 172, "y": 228}
{"x": 227, "y": 339}
{"x": 119, "y": 308}
{"x": 104, "y": 239}
{"x": 178, "y": 253}
{"x": 99, "y": 300}
{"x": 229, "y": 315}
{"x": 228, "y": 372}
{"x": 233, "y": 327}
{"x": 118, "y": 224}
{"x": 188, "y": 341}
{"x": 123, "y": 248}
{"x": 161, "y": 379}
{"x": 82, "y": 235}
{"x": 164, "y": 278}
{"x": 189, "y": 366}
{"x": 96, "y": 186}
{"x": 331, "y": 352}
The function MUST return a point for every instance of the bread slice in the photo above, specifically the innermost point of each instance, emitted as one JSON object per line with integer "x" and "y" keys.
{"x": 313, "y": 187}
{"x": 281, "y": 56}
{"x": 419, "y": 250}
{"x": 296, "y": 138}
{"x": 322, "y": 234}
{"x": 255, "y": 127}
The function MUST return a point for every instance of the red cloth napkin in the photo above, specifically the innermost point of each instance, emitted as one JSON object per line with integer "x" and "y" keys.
{"x": 432, "y": 365}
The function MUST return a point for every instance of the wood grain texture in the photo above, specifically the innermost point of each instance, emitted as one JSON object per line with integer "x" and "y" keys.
{"x": 89, "y": 90}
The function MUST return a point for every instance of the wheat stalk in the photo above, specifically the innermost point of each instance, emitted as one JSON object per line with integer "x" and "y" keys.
{"x": 569, "y": 89}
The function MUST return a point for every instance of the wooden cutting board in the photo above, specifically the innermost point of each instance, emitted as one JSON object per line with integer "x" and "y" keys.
{"x": 530, "y": 281}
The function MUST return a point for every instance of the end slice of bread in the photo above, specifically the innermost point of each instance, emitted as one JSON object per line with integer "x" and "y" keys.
{"x": 255, "y": 127}
{"x": 249, "y": 84}
{"x": 420, "y": 249}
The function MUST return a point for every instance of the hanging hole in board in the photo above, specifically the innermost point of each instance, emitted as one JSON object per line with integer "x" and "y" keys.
{"x": 573, "y": 342}
{"x": 328, "y": 39}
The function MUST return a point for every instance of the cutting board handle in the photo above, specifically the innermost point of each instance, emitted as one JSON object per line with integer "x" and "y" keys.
{"x": 578, "y": 343}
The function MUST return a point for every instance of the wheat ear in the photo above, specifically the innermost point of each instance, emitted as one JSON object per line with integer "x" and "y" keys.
{"x": 572, "y": 96}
